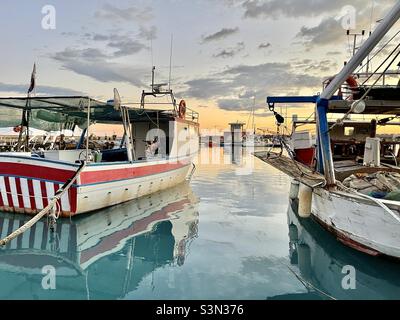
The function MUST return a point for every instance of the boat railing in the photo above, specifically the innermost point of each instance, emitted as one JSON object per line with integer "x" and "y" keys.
{"x": 191, "y": 115}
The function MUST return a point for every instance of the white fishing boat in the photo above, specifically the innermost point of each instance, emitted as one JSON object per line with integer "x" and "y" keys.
{"x": 156, "y": 153}
{"x": 331, "y": 188}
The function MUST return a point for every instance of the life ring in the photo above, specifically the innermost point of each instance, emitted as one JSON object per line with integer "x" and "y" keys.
{"x": 182, "y": 109}
{"x": 352, "y": 85}
{"x": 17, "y": 129}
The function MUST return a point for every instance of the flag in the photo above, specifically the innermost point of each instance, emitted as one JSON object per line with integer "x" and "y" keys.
{"x": 33, "y": 79}
{"x": 117, "y": 100}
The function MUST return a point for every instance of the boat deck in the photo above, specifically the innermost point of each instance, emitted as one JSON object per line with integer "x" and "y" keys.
{"x": 346, "y": 168}
{"x": 292, "y": 168}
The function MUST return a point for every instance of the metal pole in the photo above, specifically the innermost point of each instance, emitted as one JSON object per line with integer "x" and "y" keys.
{"x": 363, "y": 52}
{"x": 87, "y": 131}
{"x": 323, "y": 100}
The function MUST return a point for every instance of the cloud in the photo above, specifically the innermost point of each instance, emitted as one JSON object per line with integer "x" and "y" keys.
{"x": 328, "y": 31}
{"x": 264, "y": 45}
{"x": 94, "y": 64}
{"x": 294, "y": 8}
{"x": 126, "y": 47}
{"x": 113, "y": 13}
{"x": 148, "y": 33}
{"x": 317, "y": 67}
{"x": 45, "y": 90}
{"x": 69, "y": 54}
{"x": 230, "y": 52}
{"x": 221, "y": 34}
{"x": 234, "y": 87}
{"x": 234, "y": 104}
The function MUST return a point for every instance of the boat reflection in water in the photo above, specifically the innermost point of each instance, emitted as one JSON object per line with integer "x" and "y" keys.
{"x": 100, "y": 256}
{"x": 321, "y": 258}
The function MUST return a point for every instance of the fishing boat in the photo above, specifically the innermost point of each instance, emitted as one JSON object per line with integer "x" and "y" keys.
{"x": 331, "y": 188}
{"x": 136, "y": 238}
{"x": 155, "y": 153}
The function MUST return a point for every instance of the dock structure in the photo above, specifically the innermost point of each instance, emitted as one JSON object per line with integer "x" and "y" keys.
{"x": 235, "y": 135}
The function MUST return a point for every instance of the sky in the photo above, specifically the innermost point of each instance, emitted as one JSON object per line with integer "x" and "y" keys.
{"x": 227, "y": 54}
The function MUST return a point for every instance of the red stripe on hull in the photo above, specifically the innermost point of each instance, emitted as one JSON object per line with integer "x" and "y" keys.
{"x": 56, "y": 187}
{"x": 1, "y": 200}
{"x": 19, "y": 193}
{"x": 44, "y": 193}
{"x": 8, "y": 190}
{"x": 33, "y": 171}
{"x": 127, "y": 173}
{"x": 31, "y": 195}
{"x": 72, "y": 194}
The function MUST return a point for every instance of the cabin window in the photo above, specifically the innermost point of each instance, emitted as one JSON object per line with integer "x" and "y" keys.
{"x": 348, "y": 131}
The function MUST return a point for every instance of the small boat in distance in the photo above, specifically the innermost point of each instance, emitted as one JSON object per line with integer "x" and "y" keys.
{"x": 155, "y": 153}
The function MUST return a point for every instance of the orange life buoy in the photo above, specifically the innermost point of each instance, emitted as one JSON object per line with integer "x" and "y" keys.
{"x": 182, "y": 109}
{"x": 17, "y": 129}
{"x": 351, "y": 82}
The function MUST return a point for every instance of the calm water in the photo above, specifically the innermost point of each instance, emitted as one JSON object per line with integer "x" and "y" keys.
{"x": 229, "y": 234}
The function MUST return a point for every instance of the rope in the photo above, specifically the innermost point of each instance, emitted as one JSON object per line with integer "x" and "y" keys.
{"x": 60, "y": 192}
{"x": 309, "y": 285}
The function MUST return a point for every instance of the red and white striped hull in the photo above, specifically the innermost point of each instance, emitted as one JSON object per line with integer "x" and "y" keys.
{"x": 28, "y": 184}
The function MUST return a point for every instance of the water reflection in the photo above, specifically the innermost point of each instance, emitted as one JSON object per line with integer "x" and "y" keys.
{"x": 101, "y": 256}
{"x": 320, "y": 258}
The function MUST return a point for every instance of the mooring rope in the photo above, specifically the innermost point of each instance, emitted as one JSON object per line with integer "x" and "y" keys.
{"x": 60, "y": 192}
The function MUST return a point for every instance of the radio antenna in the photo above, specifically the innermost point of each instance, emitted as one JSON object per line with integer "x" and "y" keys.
{"x": 170, "y": 64}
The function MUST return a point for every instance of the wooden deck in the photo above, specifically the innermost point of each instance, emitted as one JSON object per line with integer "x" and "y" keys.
{"x": 346, "y": 168}
{"x": 292, "y": 168}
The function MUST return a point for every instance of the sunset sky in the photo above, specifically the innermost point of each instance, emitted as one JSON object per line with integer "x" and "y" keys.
{"x": 225, "y": 52}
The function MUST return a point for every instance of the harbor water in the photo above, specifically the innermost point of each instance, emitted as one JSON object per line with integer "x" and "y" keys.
{"x": 231, "y": 233}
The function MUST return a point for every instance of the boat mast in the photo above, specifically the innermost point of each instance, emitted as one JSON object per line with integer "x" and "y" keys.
{"x": 323, "y": 100}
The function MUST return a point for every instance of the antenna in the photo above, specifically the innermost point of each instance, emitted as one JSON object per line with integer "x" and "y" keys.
{"x": 153, "y": 69}
{"x": 170, "y": 63}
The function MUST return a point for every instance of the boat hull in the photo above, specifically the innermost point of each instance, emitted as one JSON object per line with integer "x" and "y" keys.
{"x": 358, "y": 223}
{"x": 28, "y": 184}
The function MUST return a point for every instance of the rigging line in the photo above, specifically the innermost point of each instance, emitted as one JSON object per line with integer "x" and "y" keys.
{"x": 308, "y": 284}
{"x": 151, "y": 51}
{"x": 349, "y": 46}
{"x": 378, "y": 51}
{"x": 372, "y": 15}
{"x": 170, "y": 64}
{"x": 339, "y": 121}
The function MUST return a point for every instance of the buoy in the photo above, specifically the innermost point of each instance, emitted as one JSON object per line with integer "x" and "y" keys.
{"x": 293, "y": 233}
{"x": 304, "y": 259}
{"x": 305, "y": 201}
{"x": 294, "y": 190}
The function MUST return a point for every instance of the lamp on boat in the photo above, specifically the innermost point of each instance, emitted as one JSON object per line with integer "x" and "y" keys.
{"x": 358, "y": 106}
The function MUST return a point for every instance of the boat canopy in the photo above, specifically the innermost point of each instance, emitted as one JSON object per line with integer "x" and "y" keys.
{"x": 64, "y": 109}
